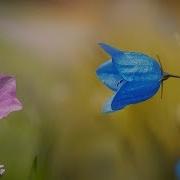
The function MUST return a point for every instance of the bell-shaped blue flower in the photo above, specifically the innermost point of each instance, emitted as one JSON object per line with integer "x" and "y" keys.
{"x": 134, "y": 77}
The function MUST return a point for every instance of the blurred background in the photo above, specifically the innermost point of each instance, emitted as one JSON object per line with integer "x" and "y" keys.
{"x": 61, "y": 134}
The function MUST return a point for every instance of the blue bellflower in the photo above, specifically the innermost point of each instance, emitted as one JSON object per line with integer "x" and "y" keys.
{"x": 132, "y": 76}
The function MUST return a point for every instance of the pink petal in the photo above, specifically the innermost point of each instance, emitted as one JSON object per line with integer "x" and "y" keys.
{"x": 8, "y": 99}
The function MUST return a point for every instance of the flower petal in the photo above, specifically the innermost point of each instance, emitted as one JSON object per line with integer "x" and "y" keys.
{"x": 134, "y": 92}
{"x": 134, "y": 66}
{"x": 113, "y": 52}
{"x": 108, "y": 74}
{"x": 107, "y": 108}
{"x": 8, "y": 100}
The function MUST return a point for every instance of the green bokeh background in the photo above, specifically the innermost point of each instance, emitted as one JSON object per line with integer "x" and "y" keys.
{"x": 61, "y": 134}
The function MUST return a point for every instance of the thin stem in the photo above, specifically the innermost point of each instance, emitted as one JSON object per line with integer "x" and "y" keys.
{"x": 174, "y": 76}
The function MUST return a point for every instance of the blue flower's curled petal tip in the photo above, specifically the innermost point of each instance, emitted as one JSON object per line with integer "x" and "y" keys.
{"x": 107, "y": 106}
{"x": 113, "y": 52}
{"x": 108, "y": 74}
{"x": 8, "y": 99}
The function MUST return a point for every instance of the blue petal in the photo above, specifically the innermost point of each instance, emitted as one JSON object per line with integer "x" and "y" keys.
{"x": 134, "y": 92}
{"x": 113, "y": 52}
{"x": 134, "y": 66}
{"x": 107, "y": 108}
{"x": 109, "y": 75}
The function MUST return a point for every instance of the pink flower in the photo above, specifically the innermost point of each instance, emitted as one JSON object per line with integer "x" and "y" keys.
{"x": 8, "y": 99}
